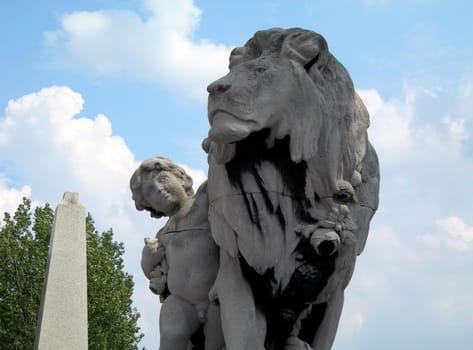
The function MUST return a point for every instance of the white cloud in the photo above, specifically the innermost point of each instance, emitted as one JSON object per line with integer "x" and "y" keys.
{"x": 54, "y": 152}
{"x": 396, "y": 129}
{"x": 424, "y": 148}
{"x": 159, "y": 48}
{"x": 460, "y": 234}
{"x": 457, "y": 120}
{"x": 391, "y": 124}
{"x": 11, "y": 197}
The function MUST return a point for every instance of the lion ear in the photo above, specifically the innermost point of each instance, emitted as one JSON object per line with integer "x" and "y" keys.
{"x": 306, "y": 48}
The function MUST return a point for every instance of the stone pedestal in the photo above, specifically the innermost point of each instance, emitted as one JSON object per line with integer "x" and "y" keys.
{"x": 62, "y": 322}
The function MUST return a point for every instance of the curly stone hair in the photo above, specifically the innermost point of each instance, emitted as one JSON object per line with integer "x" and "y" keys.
{"x": 156, "y": 165}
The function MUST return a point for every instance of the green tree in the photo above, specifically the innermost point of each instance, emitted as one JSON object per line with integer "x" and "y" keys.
{"x": 112, "y": 320}
{"x": 21, "y": 274}
{"x": 24, "y": 244}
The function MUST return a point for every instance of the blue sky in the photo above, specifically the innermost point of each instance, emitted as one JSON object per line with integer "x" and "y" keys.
{"x": 90, "y": 88}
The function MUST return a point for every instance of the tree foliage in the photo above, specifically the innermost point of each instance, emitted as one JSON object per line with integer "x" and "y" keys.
{"x": 24, "y": 244}
{"x": 112, "y": 320}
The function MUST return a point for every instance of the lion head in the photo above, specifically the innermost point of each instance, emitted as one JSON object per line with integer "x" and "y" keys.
{"x": 287, "y": 82}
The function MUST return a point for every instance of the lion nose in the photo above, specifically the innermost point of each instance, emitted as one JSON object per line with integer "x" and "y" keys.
{"x": 219, "y": 86}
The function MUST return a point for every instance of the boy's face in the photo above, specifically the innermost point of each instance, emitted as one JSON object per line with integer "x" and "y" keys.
{"x": 161, "y": 193}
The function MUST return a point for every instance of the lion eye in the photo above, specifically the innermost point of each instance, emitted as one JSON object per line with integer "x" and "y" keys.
{"x": 163, "y": 178}
{"x": 260, "y": 70}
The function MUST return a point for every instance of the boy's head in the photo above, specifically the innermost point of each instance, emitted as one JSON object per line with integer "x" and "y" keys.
{"x": 160, "y": 186}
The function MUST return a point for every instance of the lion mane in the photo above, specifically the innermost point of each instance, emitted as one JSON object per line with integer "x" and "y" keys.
{"x": 287, "y": 148}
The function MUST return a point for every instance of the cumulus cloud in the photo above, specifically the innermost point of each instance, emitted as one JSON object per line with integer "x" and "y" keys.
{"x": 423, "y": 142}
{"x": 423, "y": 120}
{"x": 43, "y": 141}
{"x": 160, "y": 47}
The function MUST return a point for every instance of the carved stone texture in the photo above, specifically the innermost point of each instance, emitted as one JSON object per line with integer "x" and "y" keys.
{"x": 62, "y": 321}
{"x": 293, "y": 183}
{"x": 182, "y": 261}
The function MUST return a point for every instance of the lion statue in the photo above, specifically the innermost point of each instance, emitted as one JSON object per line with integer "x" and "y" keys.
{"x": 293, "y": 183}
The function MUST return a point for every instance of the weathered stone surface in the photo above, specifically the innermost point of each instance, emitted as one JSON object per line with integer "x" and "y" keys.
{"x": 182, "y": 261}
{"x": 292, "y": 186}
{"x": 62, "y": 322}
{"x": 289, "y": 164}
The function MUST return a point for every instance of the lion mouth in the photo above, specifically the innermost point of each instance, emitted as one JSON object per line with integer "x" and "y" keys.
{"x": 222, "y": 112}
{"x": 226, "y": 127}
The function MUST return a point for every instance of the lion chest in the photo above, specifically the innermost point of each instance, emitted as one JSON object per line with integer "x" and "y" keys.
{"x": 253, "y": 213}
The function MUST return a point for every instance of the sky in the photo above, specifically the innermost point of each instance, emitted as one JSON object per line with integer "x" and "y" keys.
{"x": 90, "y": 88}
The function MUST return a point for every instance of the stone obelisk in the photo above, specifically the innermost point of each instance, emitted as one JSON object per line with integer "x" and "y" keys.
{"x": 62, "y": 322}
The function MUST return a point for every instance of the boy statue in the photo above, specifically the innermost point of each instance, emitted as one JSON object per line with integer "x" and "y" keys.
{"x": 182, "y": 261}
